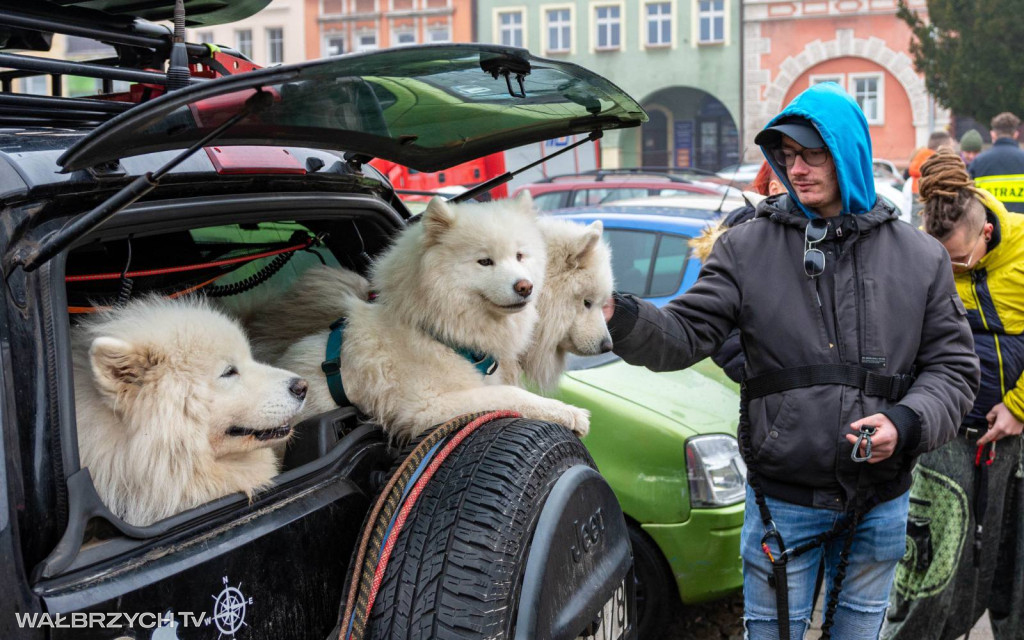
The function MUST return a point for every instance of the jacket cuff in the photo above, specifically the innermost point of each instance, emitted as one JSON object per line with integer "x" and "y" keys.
{"x": 908, "y": 426}
{"x": 1015, "y": 403}
{"x": 624, "y": 318}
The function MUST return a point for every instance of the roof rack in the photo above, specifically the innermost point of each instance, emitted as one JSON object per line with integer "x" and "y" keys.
{"x": 139, "y": 44}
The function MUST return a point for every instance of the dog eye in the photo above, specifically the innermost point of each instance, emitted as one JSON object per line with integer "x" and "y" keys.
{"x": 587, "y": 304}
{"x": 485, "y": 262}
{"x": 230, "y": 371}
{"x": 519, "y": 256}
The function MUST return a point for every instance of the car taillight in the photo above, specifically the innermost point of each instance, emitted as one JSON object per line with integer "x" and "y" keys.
{"x": 715, "y": 470}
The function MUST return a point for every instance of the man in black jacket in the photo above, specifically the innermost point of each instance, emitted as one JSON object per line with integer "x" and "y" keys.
{"x": 1000, "y": 170}
{"x": 854, "y": 335}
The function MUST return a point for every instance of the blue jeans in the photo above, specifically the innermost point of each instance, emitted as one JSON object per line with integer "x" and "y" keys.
{"x": 877, "y": 548}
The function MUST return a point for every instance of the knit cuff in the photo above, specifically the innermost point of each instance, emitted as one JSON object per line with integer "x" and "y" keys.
{"x": 908, "y": 426}
{"x": 624, "y": 318}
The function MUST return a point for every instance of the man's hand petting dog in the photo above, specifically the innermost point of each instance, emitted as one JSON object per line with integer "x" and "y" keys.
{"x": 608, "y": 309}
{"x": 883, "y": 443}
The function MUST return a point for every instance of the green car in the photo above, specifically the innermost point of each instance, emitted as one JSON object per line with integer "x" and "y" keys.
{"x": 666, "y": 443}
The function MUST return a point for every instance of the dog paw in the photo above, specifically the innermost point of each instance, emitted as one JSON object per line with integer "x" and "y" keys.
{"x": 578, "y": 420}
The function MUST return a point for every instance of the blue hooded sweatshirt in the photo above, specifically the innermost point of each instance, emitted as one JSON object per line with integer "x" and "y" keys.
{"x": 842, "y": 125}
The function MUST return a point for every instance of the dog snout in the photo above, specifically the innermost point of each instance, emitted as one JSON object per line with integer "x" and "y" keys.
{"x": 297, "y": 387}
{"x": 606, "y": 345}
{"x": 523, "y": 287}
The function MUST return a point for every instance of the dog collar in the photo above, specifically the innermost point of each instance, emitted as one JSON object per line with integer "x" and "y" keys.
{"x": 485, "y": 363}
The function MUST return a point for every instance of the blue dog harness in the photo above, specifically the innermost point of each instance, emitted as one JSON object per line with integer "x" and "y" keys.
{"x": 485, "y": 363}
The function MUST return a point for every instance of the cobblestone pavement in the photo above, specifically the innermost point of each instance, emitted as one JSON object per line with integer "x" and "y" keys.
{"x": 722, "y": 620}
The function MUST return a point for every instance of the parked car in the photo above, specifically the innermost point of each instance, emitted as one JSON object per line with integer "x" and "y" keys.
{"x": 666, "y": 441}
{"x": 602, "y": 188}
{"x": 886, "y": 171}
{"x": 741, "y": 174}
{"x": 231, "y": 186}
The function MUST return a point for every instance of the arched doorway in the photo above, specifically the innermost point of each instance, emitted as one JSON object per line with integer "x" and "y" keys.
{"x": 694, "y": 128}
{"x": 654, "y": 149}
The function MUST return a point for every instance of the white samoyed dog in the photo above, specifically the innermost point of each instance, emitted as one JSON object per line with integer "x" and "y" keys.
{"x": 464, "y": 278}
{"x": 172, "y": 410}
{"x": 577, "y": 282}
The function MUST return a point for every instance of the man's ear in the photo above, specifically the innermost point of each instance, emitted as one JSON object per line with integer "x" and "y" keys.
{"x": 438, "y": 219}
{"x": 586, "y": 243}
{"x": 117, "y": 366}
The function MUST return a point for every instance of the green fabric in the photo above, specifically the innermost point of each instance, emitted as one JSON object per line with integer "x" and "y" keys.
{"x": 944, "y": 598}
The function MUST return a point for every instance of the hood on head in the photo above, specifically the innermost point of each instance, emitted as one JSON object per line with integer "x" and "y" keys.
{"x": 844, "y": 129}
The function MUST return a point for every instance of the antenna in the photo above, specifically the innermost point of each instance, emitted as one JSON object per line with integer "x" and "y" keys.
{"x": 725, "y": 193}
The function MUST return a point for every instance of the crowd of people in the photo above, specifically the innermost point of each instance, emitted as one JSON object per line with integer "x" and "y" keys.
{"x": 882, "y": 401}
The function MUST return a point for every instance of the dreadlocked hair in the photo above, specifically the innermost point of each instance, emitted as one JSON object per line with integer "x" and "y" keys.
{"x": 947, "y": 191}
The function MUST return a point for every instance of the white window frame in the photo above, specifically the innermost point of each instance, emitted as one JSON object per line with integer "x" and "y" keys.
{"x": 818, "y": 78}
{"x": 597, "y": 22}
{"x": 204, "y": 37}
{"x": 360, "y": 46}
{"x": 238, "y": 42}
{"x": 545, "y": 25}
{"x": 434, "y": 29}
{"x": 269, "y": 31}
{"x": 403, "y": 31}
{"x": 711, "y": 15}
{"x": 644, "y": 20}
{"x": 851, "y": 88}
{"x": 325, "y": 47}
{"x": 501, "y": 29}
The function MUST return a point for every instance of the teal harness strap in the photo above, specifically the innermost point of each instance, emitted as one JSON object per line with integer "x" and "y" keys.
{"x": 331, "y": 366}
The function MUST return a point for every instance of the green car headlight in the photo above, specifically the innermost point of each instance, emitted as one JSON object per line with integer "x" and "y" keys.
{"x": 715, "y": 470}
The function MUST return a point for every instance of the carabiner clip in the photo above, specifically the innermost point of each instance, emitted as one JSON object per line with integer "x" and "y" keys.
{"x": 866, "y": 431}
{"x": 771, "y": 532}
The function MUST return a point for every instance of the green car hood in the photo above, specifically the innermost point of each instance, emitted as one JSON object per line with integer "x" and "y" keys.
{"x": 699, "y": 400}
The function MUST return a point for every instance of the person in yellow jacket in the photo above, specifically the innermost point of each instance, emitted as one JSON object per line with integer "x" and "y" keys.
{"x": 965, "y": 536}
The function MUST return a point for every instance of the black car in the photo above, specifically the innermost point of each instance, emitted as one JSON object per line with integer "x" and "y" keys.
{"x": 230, "y": 187}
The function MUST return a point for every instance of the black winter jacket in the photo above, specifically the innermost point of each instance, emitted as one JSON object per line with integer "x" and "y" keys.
{"x": 887, "y": 302}
{"x": 1000, "y": 170}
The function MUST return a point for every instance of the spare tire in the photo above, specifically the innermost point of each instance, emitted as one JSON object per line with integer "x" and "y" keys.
{"x": 458, "y": 564}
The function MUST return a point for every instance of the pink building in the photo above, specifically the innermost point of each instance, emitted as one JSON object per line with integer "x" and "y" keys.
{"x": 861, "y": 44}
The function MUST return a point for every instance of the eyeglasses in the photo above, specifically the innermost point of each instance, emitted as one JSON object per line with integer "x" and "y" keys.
{"x": 967, "y": 265}
{"x": 814, "y": 259}
{"x": 812, "y": 157}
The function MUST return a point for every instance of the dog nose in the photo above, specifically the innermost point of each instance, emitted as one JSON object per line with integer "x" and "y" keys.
{"x": 606, "y": 345}
{"x": 298, "y": 388}
{"x": 524, "y": 288}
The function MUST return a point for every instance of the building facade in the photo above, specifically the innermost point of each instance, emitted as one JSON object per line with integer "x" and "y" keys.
{"x": 275, "y": 35}
{"x": 679, "y": 58}
{"x": 861, "y": 44}
{"x": 346, "y": 26}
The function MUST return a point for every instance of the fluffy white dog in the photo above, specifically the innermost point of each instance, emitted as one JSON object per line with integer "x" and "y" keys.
{"x": 172, "y": 410}
{"x": 577, "y": 282}
{"x": 463, "y": 279}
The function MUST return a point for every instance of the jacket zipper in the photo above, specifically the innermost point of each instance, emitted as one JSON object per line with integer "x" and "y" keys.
{"x": 977, "y": 276}
{"x": 860, "y": 300}
{"x": 835, "y": 312}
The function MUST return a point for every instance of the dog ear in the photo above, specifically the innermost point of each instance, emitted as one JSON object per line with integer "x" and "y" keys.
{"x": 586, "y": 243}
{"x": 118, "y": 366}
{"x": 524, "y": 202}
{"x": 438, "y": 218}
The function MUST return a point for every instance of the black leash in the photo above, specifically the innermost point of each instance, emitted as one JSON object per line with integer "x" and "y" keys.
{"x": 891, "y": 387}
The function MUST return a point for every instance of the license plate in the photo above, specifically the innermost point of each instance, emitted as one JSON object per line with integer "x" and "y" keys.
{"x": 613, "y": 617}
